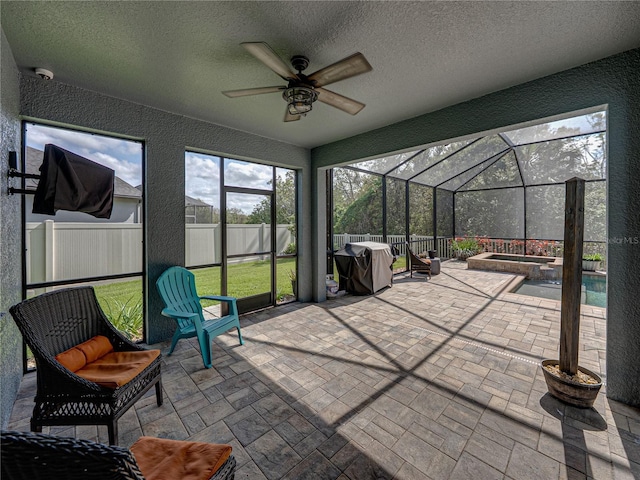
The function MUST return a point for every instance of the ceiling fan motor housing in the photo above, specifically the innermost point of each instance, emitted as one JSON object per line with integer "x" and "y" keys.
{"x": 299, "y": 62}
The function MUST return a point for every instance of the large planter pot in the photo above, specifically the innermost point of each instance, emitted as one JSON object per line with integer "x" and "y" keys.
{"x": 577, "y": 394}
{"x": 590, "y": 265}
{"x": 464, "y": 254}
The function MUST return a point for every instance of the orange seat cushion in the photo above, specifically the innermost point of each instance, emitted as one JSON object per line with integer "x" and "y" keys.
{"x": 77, "y": 357}
{"x": 117, "y": 368}
{"x": 163, "y": 459}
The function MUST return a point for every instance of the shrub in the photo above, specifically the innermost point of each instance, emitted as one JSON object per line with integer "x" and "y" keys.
{"x": 127, "y": 317}
{"x": 464, "y": 248}
{"x": 593, "y": 257}
{"x": 290, "y": 250}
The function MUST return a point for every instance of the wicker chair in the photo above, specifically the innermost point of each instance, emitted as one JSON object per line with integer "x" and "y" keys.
{"x": 416, "y": 264}
{"x": 54, "y": 322}
{"x": 35, "y": 456}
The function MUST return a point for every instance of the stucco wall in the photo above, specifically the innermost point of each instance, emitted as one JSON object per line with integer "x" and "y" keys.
{"x": 613, "y": 81}
{"x": 166, "y": 137}
{"x": 10, "y": 274}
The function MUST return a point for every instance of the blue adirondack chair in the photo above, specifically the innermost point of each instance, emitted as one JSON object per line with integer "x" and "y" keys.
{"x": 177, "y": 287}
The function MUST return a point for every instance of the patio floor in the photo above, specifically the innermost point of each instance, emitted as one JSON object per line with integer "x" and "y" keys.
{"x": 435, "y": 379}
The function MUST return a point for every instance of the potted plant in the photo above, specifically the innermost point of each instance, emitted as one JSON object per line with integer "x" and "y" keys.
{"x": 566, "y": 380}
{"x": 464, "y": 248}
{"x": 591, "y": 262}
{"x": 294, "y": 282}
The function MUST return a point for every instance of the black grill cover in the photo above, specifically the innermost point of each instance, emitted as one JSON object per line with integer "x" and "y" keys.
{"x": 71, "y": 182}
{"x": 364, "y": 267}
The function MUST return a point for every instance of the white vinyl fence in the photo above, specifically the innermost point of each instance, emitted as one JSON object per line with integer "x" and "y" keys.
{"x": 203, "y": 241}
{"x": 70, "y": 250}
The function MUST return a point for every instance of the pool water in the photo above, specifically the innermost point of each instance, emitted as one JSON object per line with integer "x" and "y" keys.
{"x": 594, "y": 290}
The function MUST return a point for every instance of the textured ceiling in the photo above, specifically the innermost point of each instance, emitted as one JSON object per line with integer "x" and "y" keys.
{"x": 179, "y": 56}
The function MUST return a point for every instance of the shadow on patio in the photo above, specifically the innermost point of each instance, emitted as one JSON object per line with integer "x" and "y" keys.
{"x": 427, "y": 379}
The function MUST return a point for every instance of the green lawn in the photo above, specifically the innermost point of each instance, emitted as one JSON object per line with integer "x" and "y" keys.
{"x": 122, "y": 301}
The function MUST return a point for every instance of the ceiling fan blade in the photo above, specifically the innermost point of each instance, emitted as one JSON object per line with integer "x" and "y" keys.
{"x": 335, "y": 100}
{"x": 290, "y": 118}
{"x": 252, "y": 91}
{"x": 345, "y": 68}
{"x": 266, "y": 55}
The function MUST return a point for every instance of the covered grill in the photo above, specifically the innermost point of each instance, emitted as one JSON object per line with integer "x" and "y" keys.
{"x": 364, "y": 267}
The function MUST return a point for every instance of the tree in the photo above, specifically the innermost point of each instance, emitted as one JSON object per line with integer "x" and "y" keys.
{"x": 357, "y": 200}
{"x": 236, "y": 216}
{"x": 420, "y": 209}
{"x": 285, "y": 203}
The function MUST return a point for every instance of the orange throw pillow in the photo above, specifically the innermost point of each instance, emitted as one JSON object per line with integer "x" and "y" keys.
{"x": 72, "y": 359}
{"x": 95, "y": 347}
{"x": 161, "y": 458}
{"x": 77, "y": 357}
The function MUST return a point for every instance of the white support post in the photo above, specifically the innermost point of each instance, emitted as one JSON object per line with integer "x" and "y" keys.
{"x": 49, "y": 250}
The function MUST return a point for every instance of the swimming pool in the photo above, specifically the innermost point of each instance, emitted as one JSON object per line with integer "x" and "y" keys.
{"x": 594, "y": 289}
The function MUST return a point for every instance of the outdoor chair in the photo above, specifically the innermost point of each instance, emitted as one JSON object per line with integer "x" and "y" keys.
{"x": 35, "y": 456}
{"x": 177, "y": 287}
{"x": 88, "y": 373}
{"x": 417, "y": 264}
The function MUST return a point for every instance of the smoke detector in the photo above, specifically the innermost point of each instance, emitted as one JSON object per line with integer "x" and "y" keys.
{"x": 44, "y": 74}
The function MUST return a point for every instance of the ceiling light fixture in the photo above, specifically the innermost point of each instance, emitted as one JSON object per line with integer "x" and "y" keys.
{"x": 299, "y": 99}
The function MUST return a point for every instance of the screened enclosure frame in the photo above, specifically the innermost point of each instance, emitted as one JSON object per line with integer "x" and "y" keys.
{"x": 525, "y": 161}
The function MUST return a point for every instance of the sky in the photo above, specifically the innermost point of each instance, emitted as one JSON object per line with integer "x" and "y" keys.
{"x": 202, "y": 171}
{"x": 123, "y": 156}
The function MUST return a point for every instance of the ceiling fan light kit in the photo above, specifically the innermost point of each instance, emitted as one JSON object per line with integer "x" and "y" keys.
{"x": 303, "y": 90}
{"x": 299, "y": 100}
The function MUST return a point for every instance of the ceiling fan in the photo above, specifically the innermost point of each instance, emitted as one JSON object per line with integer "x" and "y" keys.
{"x": 302, "y": 90}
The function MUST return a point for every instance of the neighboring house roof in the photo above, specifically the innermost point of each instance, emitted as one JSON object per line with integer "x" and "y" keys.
{"x": 190, "y": 201}
{"x": 121, "y": 188}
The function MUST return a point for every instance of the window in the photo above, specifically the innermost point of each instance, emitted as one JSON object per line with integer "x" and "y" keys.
{"x": 71, "y": 248}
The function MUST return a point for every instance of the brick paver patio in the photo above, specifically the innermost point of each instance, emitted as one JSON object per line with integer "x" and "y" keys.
{"x": 435, "y": 379}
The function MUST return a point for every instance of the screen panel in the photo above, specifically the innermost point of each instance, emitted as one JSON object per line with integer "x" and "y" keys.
{"x": 444, "y": 213}
{"x": 580, "y": 125}
{"x": 491, "y": 213}
{"x": 545, "y": 212}
{"x": 559, "y": 160}
{"x": 470, "y": 156}
{"x": 420, "y": 210}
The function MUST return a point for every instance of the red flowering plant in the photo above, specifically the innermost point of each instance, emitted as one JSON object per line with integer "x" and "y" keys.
{"x": 515, "y": 246}
{"x": 545, "y": 248}
{"x": 484, "y": 243}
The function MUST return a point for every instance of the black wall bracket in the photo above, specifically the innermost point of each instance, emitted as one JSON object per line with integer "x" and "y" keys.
{"x": 13, "y": 172}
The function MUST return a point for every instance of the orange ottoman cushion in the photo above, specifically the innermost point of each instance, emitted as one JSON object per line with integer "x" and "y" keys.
{"x": 164, "y": 459}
